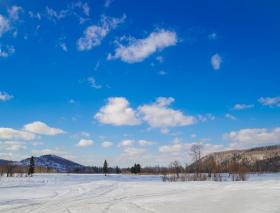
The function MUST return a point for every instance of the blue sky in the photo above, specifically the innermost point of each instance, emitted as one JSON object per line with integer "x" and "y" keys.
{"x": 137, "y": 81}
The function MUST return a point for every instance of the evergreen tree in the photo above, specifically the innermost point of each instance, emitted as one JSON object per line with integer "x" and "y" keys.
{"x": 31, "y": 167}
{"x": 137, "y": 168}
{"x": 118, "y": 171}
{"x": 132, "y": 169}
{"x": 105, "y": 168}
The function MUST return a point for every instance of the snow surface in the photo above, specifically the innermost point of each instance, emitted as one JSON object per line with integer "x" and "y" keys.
{"x": 62, "y": 193}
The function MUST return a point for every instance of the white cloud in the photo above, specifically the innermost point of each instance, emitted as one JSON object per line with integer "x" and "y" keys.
{"x": 207, "y": 117}
{"x": 159, "y": 115}
{"x": 5, "y": 96}
{"x": 160, "y": 59}
{"x": 94, "y": 34}
{"x": 14, "y": 145}
{"x": 126, "y": 143}
{"x": 162, "y": 72}
{"x": 139, "y": 49}
{"x": 245, "y": 138}
{"x": 134, "y": 152}
{"x": 106, "y": 144}
{"x": 14, "y": 12}
{"x": 54, "y": 15}
{"x": 4, "y": 25}
{"x": 270, "y": 101}
{"x": 63, "y": 46}
{"x": 182, "y": 150}
{"x": 145, "y": 143}
{"x": 34, "y": 15}
{"x": 41, "y": 128}
{"x": 117, "y": 112}
{"x": 7, "y": 51}
{"x": 242, "y": 106}
{"x": 13, "y": 134}
{"x": 216, "y": 61}
{"x": 85, "y": 143}
{"x": 93, "y": 83}
{"x": 230, "y": 116}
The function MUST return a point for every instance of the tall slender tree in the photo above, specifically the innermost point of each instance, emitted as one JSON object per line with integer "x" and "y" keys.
{"x": 105, "y": 168}
{"x": 31, "y": 167}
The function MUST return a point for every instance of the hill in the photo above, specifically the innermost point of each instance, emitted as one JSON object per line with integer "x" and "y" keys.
{"x": 256, "y": 159}
{"x": 54, "y": 162}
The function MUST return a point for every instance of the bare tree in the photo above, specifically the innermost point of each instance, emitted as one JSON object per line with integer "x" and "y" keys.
{"x": 196, "y": 156}
{"x": 176, "y": 168}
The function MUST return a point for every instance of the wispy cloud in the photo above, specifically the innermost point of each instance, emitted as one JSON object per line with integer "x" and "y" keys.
{"x": 93, "y": 83}
{"x": 242, "y": 106}
{"x": 270, "y": 101}
{"x": 4, "y": 96}
{"x": 94, "y": 34}
{"x": 230, "y": 116}
{"x": 138, "y": 50}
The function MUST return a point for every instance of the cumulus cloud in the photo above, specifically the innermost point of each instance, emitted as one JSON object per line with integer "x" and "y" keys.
{"x": 134, "y": 152}
{"x": 270, "y": 101}
{"x": 180, "y": 150}
{"x": 41, "y": 128}
{"x": 145, "y": 143}
{"x": 94, "y": 34}
{"x": 126, "y": 143}
{"x": 12, "y": 145}
{"x": 242, "y": 106}
{"x": 216, "y": 61}
{"x": 245, "y": 138}
{"x": 85, "y": 143}
{"x": 117, "y": 112}
{"x": 159, "y": 115}
{"x": 139, "y": 49}
{"x": 13, "y": 134}
{"x": 3, "y": 95}
{"x": 106, "y": 144}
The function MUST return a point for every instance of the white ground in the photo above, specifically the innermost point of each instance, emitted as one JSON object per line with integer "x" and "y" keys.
{"x": 93, "y": 193}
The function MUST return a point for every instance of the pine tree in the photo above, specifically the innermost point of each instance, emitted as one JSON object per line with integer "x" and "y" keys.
{"x": 118, "y": 171}
{"x": 31, "y": 167}
{"x": 105, "y": 168}
{"x": 137, "y": 168}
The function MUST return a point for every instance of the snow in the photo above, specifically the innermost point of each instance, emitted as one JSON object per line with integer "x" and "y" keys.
{"x": 62, "y": 193}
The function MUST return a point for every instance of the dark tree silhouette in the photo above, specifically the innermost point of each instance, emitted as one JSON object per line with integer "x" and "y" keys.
{"x": 31, "y": 167}
{"x": 118, "y": 170}
{"x": 105, "y": 168}
{"x": 136, "y": 169}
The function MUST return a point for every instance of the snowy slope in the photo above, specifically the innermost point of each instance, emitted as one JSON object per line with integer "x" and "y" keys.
{"x": 136, "y": 194}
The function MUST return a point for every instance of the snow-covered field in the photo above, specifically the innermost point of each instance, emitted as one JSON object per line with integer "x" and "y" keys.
{"x": 57, "y": 193}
